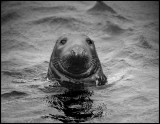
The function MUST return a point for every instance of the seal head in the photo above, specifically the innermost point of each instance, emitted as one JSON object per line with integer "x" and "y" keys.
{"x": 74, "y": 59}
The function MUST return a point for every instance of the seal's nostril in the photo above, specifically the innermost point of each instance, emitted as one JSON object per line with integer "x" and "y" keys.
{"x": 72, "y": 52}
{"x": 78, "y": 51}
{"x": 83, "y": 53}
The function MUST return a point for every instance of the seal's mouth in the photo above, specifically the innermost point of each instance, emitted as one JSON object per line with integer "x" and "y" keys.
{"x": 76, "y": 64}
{"x": 76, "y": 67}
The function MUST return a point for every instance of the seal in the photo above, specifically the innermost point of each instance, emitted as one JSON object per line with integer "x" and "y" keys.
{"x": 74, "y": 60}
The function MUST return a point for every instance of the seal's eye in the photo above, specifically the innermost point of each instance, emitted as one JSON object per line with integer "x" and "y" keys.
{"x": 63, "y": 41}
{"x": 89, "y": 41}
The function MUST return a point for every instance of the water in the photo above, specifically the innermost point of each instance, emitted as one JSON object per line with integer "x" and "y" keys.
{"x": 126, "y": 36}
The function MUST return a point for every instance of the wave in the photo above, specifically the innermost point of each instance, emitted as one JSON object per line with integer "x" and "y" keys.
{"x": 101, "y": 7}
{"x": 12, "y": 64}
{"x": 13, "y": 94}
{"x": 124, "y": 53}
{"x": 12, "y": 73}
{"x": 143, "y": 43}
{"x": 151, "y": 62}
{"x": 10, "y": 16}
{"x": 144, "y": 60}
{"x": 62, "y": 23}
{"x": 54, "y": 9}
{"x": 57, "y": 20}
{"x": 54, "y": 20}
{"x": 118, "y": 64}
{"x": 153, "y": 26}
{"x": 11, "y": 33}
{"x": 136, "y": 56}
{"x": 138, "y": 100}
{"x": 11, "y": 44}
{"x": 122, "y": 64}
{"x": 121, "y": 18}
{"x": 25, "y": 73}
{"x": 113, "y": 29}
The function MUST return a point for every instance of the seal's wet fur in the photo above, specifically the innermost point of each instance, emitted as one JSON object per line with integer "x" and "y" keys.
{"x": 74, "y": 61}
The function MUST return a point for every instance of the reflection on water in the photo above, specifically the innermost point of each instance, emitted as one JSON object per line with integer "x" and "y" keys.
{"x": 75, "y": 106}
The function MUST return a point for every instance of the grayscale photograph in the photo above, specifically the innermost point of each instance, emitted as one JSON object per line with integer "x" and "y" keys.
{"x": 79, "y": 61}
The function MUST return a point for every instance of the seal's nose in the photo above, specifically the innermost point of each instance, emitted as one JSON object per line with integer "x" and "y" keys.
{"x": 77, "y": 50}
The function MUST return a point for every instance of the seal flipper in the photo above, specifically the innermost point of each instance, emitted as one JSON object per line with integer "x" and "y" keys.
{"x": 101, "y": 79}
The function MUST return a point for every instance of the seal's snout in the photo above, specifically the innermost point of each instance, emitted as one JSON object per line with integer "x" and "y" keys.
{"x": 77, "y": 61}
{"x": 75, "y": 51}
